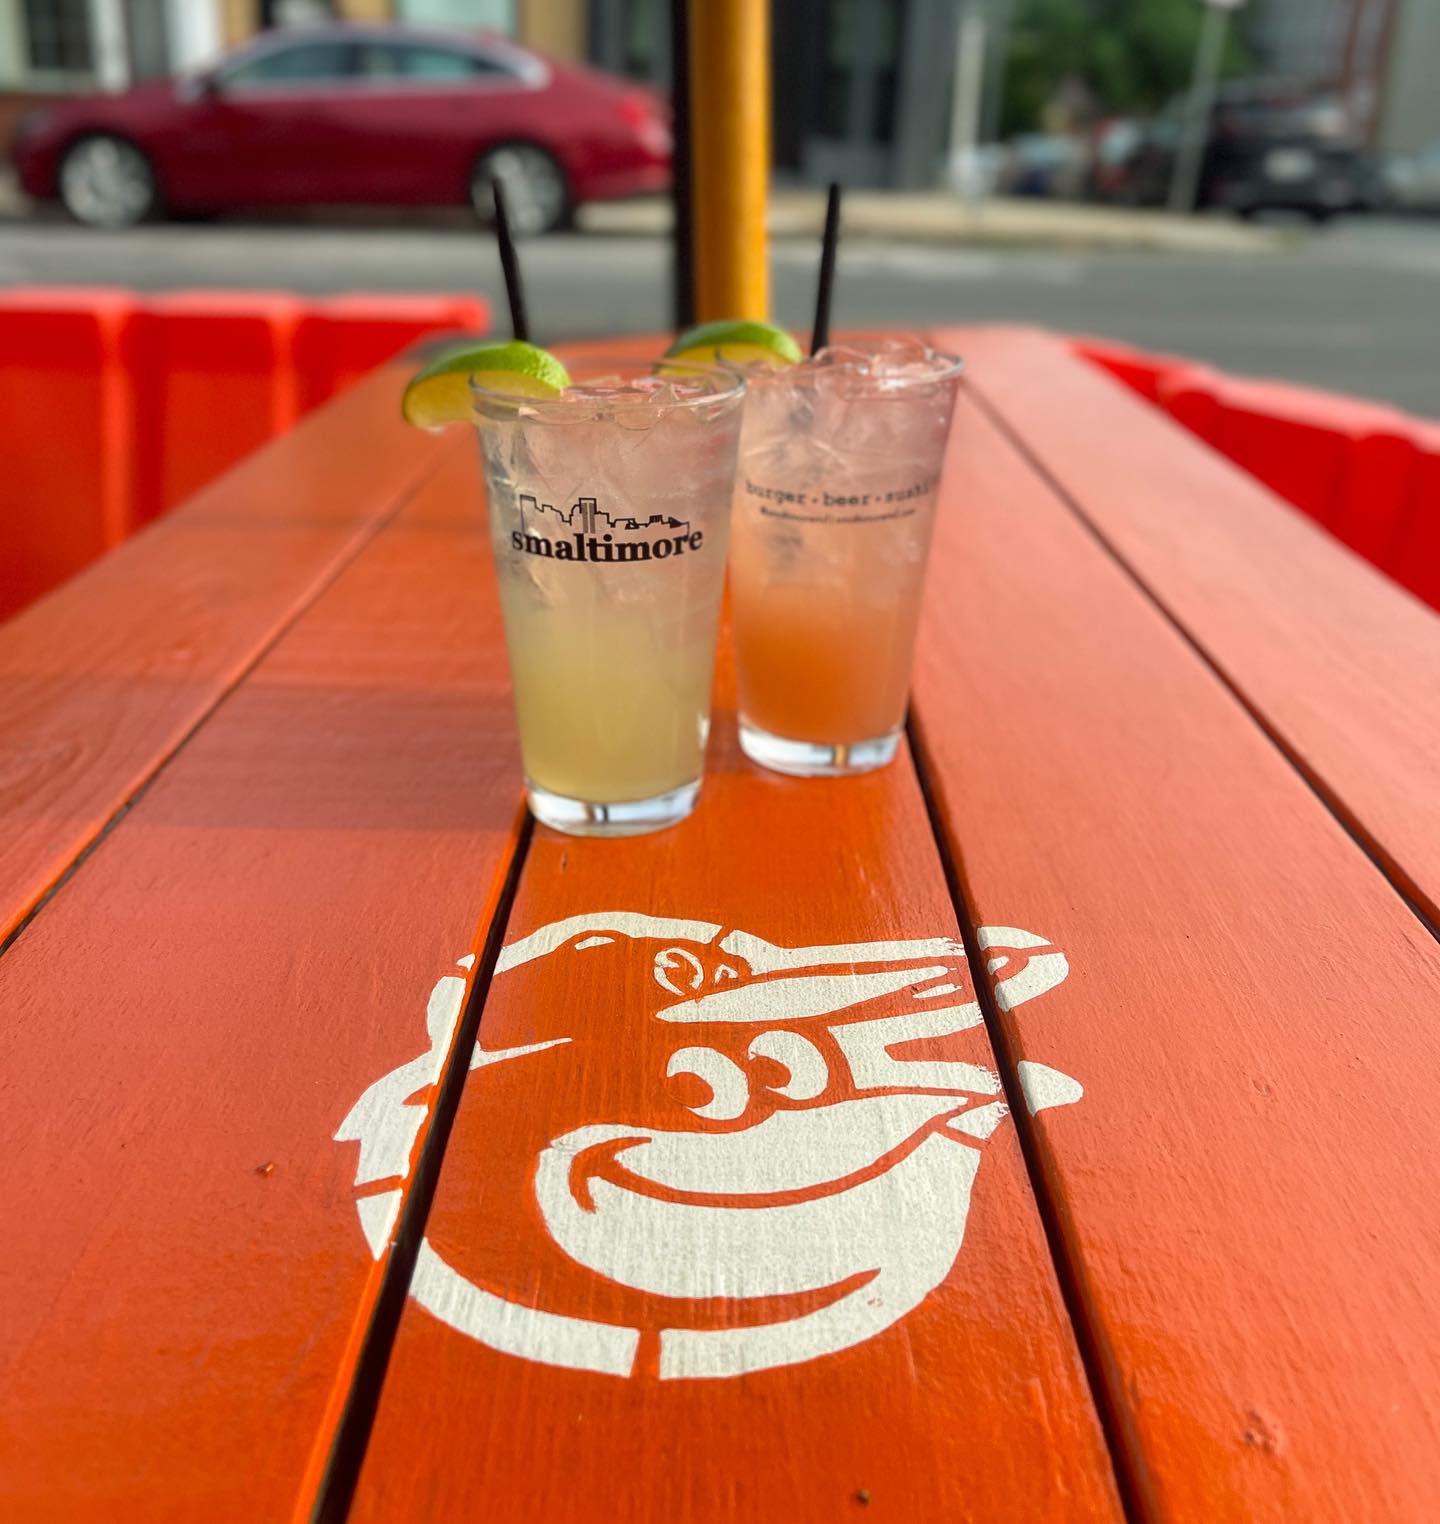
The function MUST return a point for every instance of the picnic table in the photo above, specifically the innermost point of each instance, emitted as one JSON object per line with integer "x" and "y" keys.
{"x": 328, "y": 1081}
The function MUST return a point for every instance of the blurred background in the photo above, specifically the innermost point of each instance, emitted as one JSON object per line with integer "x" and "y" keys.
{"x": 1255, "y": 183}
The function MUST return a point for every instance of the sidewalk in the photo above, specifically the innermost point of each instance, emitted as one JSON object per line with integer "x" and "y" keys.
{"x": 941, "y": 217}
{"x": 920, "y": 216}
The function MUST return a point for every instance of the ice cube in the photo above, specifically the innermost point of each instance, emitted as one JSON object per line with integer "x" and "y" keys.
{"x": 665, "y": 393}
{"x": 599, "y": 388}
{"x": 904, "y": 364}
{"x": 900, "y": 354}
{"x": 839, "y": 356}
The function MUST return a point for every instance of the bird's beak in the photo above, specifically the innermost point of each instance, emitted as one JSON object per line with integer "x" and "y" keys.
{"x": 798, "y": 997}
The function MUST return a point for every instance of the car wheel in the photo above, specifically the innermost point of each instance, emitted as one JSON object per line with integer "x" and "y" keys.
{"x": 107, "y": 182}
{"x": 537, "y": 194}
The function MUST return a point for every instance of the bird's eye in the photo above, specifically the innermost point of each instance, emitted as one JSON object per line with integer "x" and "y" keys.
{"x": 729, "y": 1089}
{"x": 800, "y": 1059}
{"x": 678, "y": 965}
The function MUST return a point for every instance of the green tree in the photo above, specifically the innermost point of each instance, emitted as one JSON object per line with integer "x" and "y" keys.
{"x": 1133, "y": 55}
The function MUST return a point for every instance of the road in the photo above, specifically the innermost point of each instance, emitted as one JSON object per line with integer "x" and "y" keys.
{"x": 1355, "y": 307}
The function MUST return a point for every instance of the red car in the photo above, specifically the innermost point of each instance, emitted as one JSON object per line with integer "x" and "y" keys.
{"x": 352, "y": 114}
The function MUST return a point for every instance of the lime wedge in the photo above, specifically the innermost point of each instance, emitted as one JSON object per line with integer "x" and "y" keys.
{"x": 440, "y": 393}
{"x": 739, "y": 341}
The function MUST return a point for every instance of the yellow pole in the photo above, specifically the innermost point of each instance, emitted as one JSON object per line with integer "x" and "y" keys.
{"x": 730, "y": 156}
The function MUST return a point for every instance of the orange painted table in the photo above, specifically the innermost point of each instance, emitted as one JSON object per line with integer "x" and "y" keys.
{"x": 1044, "y": 1128}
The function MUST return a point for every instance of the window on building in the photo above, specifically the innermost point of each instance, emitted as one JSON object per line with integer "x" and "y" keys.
{"x": 487, "y": 15}
{"x": 147, "y": 38}
{"x": 642, "y": 37}
{"x": 294, "y": 12}
{"x": 59, "y": 35}
{"x": 310, "y": 63}
{"x": 632, "y": 37}
{"x": 857, "y": 82}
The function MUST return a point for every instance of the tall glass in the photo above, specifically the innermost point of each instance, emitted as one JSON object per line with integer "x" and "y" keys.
{"x": 609, "y": 517}
{"x": 834, "y": 507}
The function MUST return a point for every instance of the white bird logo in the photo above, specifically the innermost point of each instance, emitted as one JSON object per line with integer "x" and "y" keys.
{"x": 793, "y": 1175}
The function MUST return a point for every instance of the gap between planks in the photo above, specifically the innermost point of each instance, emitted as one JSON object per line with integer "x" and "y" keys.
{"x": 1330, "y": 801}
{"x": 1102, "y": 1375}
{"x": 336, "y": 1489}
{"x": 342, "y": 562}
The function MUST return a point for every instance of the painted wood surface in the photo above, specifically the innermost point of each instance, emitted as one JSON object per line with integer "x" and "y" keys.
{"x": 101, "y": 681}
{"x": 189, "y": 1022}
{"x": 219, "y": 1041}
{"x": 1341, "y": 668}
{"x": 1247, "y": 1192}
{"x": 691, "y": 1044}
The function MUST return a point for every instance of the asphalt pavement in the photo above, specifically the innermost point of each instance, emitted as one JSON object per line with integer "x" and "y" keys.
{"x": 1354, "y": 307}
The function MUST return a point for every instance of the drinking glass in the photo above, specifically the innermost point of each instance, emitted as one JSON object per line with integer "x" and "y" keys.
{"x": 609, "y": 511}
{"x": 835, "y": 500}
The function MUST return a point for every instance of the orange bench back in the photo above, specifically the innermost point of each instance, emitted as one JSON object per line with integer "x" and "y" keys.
{"x": 1367, "y": 472}
{"x": 118, "y": 406}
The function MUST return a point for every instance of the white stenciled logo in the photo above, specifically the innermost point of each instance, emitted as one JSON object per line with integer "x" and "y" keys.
{"x": 586, "y": 532}
{"x": 787, "y": 1167}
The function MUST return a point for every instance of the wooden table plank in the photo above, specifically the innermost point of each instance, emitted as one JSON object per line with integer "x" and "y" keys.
{"x": 1338, "y": 664}
{"x": 621, "y": 1398}
{"x": 190, "y": 1019}
{"x": 1246, "y": 1192}
{"x": 101, "y": 681}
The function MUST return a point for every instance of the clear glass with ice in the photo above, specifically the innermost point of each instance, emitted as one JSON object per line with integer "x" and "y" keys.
{"x": 835, "y": 497}
{"x": 609, "y": 519}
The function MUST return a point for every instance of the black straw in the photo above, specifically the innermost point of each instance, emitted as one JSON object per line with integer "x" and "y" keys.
{"x": 514, "y": 291}
{"x": 820, "y": 332}
{"x": 681, "y": 178}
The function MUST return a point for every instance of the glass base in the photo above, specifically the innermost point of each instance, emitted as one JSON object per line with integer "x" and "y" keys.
{"x": 631, "y": 817}
{"x": 817, "y": 759}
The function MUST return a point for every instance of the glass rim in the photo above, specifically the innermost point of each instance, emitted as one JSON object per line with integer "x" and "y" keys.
{"x": 954, "y": 367}
{"x": 733, "y": 387}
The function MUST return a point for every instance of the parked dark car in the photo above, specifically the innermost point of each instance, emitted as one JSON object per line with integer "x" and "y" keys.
{"x": 352, "y": 114}
{"x": 1267, "y": 147}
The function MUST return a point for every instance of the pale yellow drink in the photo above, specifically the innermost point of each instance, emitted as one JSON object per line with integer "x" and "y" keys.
{"x": 609, "y": 515}
{"x": 613, "y": 699}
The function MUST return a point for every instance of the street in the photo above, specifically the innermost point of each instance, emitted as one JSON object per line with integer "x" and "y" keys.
{"x": 1354, "y": 307}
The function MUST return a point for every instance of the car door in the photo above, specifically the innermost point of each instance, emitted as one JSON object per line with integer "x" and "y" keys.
{"x": 423, "y": 111}
{"x": 270, "y": 127}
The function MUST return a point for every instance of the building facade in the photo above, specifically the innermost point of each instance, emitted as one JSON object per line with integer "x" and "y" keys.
{"x": 57, "y": 45}
{"x": 864, "y": 90}
{"x": 1381, "y": 56}
{"x": 1299, "y": 39}
{"x": 862, "y": 87}
{"x": 1408, "y": 113}
{"x": 51, "y": 45}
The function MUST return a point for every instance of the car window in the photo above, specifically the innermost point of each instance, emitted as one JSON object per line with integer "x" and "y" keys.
{"x": 391, "y": 60}
{"x": 309, "y": 63}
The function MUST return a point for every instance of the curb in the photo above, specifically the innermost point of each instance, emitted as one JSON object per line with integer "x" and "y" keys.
{"x": 937, "y": 217}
